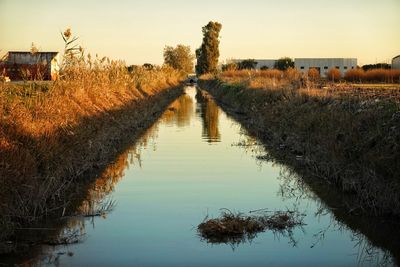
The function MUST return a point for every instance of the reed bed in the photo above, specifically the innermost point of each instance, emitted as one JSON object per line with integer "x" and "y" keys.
{"x": 53, "y": 132}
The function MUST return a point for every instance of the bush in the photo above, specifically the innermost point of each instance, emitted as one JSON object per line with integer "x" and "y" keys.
{"x": 229, "y": 66}
{"x": 355, "y": 75}
{"x": 284, "y": 63}
{"x": 248, "y": 64}
{"x": 313, "y": 74}
{"x": 333, "y": 74}
{"x": 374, "y": 75}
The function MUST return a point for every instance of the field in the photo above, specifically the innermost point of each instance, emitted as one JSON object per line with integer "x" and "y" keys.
{"x": 276, "y": 79}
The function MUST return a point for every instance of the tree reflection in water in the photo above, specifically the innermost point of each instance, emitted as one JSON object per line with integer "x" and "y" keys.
{"x": 179, "y": 112}
{"x": 209, "y": 112}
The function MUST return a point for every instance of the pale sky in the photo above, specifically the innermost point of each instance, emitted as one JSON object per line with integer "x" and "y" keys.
{"x": 136, "y": 31}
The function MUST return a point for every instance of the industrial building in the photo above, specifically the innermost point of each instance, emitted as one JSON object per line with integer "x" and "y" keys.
{"x": 396, "y": 63}
{"x": 19, "y": 65}
{"x": 325, "y": 64}
{"x": 304, "y": 64}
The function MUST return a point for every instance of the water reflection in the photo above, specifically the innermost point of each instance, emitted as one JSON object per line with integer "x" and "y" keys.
{"x": 172, "y": 178}
{"x": 179, "y": 112}
{"x": 209, "y": 112}
{"x": 376, "y": 239}
{"x": 55, "y": 236}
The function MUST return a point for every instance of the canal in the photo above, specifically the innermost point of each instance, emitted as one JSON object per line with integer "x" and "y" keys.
{"x": 190, "y": 164}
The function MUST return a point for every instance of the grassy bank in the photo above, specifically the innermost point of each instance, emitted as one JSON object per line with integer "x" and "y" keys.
{"x": 52, "y": 133}
{"x": 347, "y": 137}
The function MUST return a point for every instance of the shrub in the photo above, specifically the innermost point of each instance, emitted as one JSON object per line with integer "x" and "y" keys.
{"x": 333, "y": 74}
{"x": 313, "y": 74}
{"x": 355, "y": 75}
{"x": 249, "y": 64}
{"x": 229, "y": 66}
{"x": 284, "y": 63}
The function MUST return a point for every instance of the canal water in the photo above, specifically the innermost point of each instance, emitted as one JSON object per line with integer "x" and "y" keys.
{"x": 192, "y": 163}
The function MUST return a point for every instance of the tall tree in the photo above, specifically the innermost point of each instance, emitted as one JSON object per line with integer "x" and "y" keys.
{"x": 208, "y": 53}
{"x": 179, "y": 58}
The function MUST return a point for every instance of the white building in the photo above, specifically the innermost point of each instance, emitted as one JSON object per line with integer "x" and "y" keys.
{"x": 396, "y": 63}
{"x": 261, "y": 63}
{"x": 325, "y": 64}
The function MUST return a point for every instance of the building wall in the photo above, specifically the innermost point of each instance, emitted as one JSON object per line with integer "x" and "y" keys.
{"x": 396, "y": 63}
{"x": 325, "y": 64}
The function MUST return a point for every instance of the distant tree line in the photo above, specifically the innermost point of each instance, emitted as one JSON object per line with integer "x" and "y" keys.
{"x": 250, "y": 64}
{"x": 146, "y": 66}
{"x": 376, "y": 66}
{"x": 179, "y": 58}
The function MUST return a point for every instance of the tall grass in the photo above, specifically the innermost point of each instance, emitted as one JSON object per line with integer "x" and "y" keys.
{"x": 52, "y": 132}
{"x": 267, "y": 79}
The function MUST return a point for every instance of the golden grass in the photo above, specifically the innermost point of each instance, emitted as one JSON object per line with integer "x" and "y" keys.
{"x": 51, "y": 132}
{"x": 310, "y": 84}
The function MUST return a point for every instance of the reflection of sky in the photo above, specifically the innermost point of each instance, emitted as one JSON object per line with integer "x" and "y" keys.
{"x": 160, "y": 205}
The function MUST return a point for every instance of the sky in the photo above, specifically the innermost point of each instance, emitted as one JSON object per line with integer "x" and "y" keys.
{"x": 136, "y": 31}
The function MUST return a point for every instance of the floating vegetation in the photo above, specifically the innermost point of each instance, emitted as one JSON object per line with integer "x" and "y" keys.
{"x": 234, "y": 228}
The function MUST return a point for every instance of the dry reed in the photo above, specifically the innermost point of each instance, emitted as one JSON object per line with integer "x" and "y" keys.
{"x": 52, "y": 132}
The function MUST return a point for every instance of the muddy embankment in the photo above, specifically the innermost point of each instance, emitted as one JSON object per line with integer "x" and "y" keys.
{"x": 60, "y": 168}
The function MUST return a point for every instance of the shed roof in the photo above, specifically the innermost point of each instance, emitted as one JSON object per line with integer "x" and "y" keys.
{"x": 29, "y": 52}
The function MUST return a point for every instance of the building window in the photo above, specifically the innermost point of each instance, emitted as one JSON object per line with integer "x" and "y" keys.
{"x": 345, "y": 67}
{"x": 326, "y": 67}
{"x": 302, "y": 67}
{"x": 338, "y": 67}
